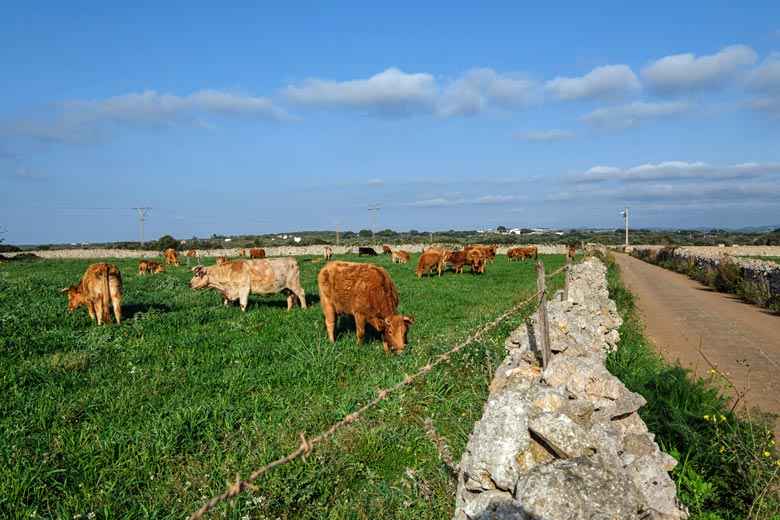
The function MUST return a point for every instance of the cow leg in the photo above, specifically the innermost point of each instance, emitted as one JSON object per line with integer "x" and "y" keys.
{"x": 243, "y": 298}
{"x": 360, "y": 327}
{"x": 330, "y": 319}
{"x": 117, "y": 302}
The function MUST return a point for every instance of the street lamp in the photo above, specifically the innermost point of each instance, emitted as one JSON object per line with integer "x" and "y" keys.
{"x": 625, "y": 214}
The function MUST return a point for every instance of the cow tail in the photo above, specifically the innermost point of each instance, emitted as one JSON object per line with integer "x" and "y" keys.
{"x": 106, "y": 314}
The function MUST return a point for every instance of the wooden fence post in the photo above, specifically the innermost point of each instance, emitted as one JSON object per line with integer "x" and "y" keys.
{"x": 568, "y": 276}
{"x": 543, "y": 334}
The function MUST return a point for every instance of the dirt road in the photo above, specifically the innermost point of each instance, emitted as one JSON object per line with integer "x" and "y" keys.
{"x": 704, "y": 329}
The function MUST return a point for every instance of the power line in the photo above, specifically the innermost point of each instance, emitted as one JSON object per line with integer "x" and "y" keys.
{"x": 142, "y": 214}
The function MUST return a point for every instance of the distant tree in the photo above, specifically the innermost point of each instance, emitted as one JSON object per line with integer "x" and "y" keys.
{"x": 365, "y": 233}
{"x": 167, "y": 242}
{"x": 501, "y": 229}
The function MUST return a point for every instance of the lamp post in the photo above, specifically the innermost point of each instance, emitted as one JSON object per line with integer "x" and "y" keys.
{"x": 625, "y": 214}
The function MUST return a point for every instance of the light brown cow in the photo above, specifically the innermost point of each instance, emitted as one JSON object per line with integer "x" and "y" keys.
{"x": 428, "y": 260}
{"x": 458, "y": 259}
{"x": 257, "y": 252}
{"x": 477, "y": 259}
{"x": 101, "y": 282}
{"x": 170, "y": 257}
{"x": 221, "y": 260}
{"x": 367, "y": 293}
{"x": 150, "y": 266}
{"x": 240, "y": 252}
{"x": 237, "y": 279}
{"x": 327, "y": 253}
{"x": 386, "y": 250}
{"x": 399, "y": 256}
{"x": 192, "y": 252}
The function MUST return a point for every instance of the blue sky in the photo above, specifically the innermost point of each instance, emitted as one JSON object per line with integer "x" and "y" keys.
{"x": 254, "y": 117}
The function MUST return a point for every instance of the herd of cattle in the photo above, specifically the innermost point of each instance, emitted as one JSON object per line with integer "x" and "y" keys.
{"x": 361, "y": 290}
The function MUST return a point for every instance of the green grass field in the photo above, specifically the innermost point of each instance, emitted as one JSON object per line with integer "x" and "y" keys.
{"x": 148, "y": 419}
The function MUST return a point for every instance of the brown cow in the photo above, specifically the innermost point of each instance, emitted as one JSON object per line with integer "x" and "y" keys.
{"x": 400, "y": 256}
{"x": 428, "y": 260}
{"x": 101, "y": 282}
{"x": 240, "y": 252}
{"x": 477, "y": 260}
{"x": 150, "y": 266}
{"x": 572, "y": 252}
{"x": 367, "y": 293}
{"x": 522, "y": 252}
{"x": 237, "y": 279}
{"x": 327, "y": 253}
{"x": 192, "y": 252}
{"x": 386, "y": 250}
{"x": 257, "y": 252}
{"x": 221, "y": 260}
{"x": 170, "y": 257}
{"x": 457, "y": 258}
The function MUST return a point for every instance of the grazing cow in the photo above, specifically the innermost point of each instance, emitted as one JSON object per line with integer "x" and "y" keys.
{"x": 386, "y": 250}
{"x": 428, "y": 260}
{"x": 522, "y": 253}
{"x": 477, "y": 259}
{"x": 367, "y": 293}
{"x": 101, "y": 282}
{"x": 572, "y": 252}
{"x": 240, "y": 252}
{"x": 400, "y": 256}
{"x": 366, "y": 251}
{"x": 192, "y": 252}
{"x": 150, "y": 266}
{"x": 327, "y": 253}
{"x": 170, "y": 257}
{"x": 257, "y": 252}
{"x": 221, "y": 260}
{"x": 458, "y": 259}
{"x": 237, "y": 279}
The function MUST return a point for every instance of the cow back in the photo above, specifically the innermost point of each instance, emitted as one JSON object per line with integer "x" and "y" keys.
{"x": 358, "y": 288}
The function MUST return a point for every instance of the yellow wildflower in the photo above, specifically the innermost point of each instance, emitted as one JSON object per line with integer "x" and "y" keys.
{"x": 706, "y": 417}
{"x": 767, "y": 454}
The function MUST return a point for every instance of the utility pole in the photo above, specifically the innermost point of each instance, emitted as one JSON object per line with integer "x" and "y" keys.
{"x": 338, "y": 223}
{"x": 373, "y": 209}
{"x": 625, "y": 214}
{"x": 142, "y": 215}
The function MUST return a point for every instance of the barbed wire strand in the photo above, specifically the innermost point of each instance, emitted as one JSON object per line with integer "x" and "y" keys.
{"x": 307, "y": 446}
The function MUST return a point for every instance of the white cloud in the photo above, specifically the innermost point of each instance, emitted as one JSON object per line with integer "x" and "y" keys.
{"x": 627, "y": 116}
{"x": 766, "y": 77}
{"x": 676, "y": 170}
{"x": 477, "y": 88}
{"x": 473, "y": 201}
{"x": 88, "y": 120}
{"x": 556, "y": 134}
{"x": 391, "y": 92}
{"x": 610, "y": 81}
{"x": 686, "y": 72}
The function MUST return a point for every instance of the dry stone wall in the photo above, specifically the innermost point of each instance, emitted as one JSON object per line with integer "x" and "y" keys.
{"x": 759, "y": 272}
{"x": 565, "y": 442}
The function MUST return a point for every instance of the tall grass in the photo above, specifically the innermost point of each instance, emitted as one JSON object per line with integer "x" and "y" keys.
{"x": 728, "y": 463}
{"x": 151, "y": 417}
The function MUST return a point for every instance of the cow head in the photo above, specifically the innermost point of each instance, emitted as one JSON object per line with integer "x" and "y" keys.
{"x": 201, "y": 278}
{"x": 394, "y": 335}
{"x": 75, "y": 297}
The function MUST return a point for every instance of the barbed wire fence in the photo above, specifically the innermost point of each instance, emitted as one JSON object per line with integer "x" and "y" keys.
{"x": 236, "y": 487}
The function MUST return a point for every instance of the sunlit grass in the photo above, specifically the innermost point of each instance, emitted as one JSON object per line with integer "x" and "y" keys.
{"x": 150, "y": 418}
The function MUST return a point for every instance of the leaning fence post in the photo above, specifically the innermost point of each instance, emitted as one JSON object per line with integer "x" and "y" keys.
{"x": 543, "y": 334}
{"x": 566, "y": 280}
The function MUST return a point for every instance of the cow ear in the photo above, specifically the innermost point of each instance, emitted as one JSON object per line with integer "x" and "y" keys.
{"x": 65, "y": 289}
{"x": 196, "y": 268}
{"x": 409, "y": 319}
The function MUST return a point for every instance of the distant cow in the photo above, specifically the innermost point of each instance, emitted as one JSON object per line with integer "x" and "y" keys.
{"x": 240, "y": 252}
{"x": 386, "y": 250}
{"x": 367, "y": 293}
{"x": 170, "y": 257}
{"x": 522, "y": 253}
{"x": 101, "y": 282}
{"x": 192, "y": 252}
{"x": 571, "y": 252}
{"x": 477, "y": 259}
{"x": 366, "y": 251}
{"x": 399, "y": 256}
{"x": 221, "y": 260}
{"x": 428, "y": 260}
{"x": 458, "y": 259}
{"x": 237, "y": 279}
{"x": 490, "y": 251}
{"x": 327, "y": 253}
{"x": 150, "y": 266}
{"x": 257, "y": 252}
